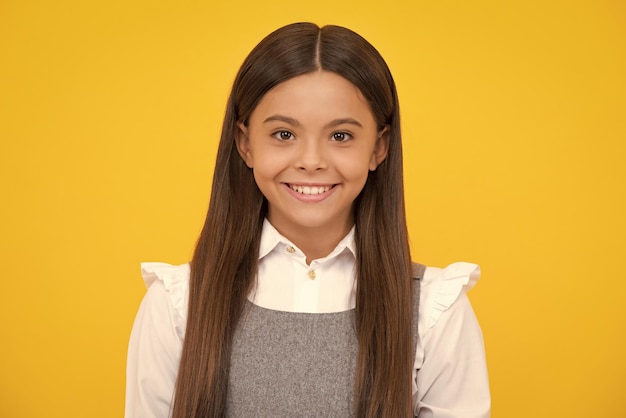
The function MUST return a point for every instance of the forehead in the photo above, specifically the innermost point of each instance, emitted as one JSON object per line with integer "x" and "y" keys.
{"x": 319, "y": 95}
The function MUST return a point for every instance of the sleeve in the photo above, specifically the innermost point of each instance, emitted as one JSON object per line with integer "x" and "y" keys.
{"x": 451, "y": 372}
{"x": 156, "y": 342}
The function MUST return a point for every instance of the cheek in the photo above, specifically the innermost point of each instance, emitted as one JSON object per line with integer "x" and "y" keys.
{"x": 354, "y": 166}
{"x": 262, "y": 159}
{"x": 267, "y": 170}
{"x": 262, "y": 174}
{"x": 264, "y": 181}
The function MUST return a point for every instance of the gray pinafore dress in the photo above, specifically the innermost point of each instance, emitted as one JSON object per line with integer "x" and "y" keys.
{"x": 290, "y": 364}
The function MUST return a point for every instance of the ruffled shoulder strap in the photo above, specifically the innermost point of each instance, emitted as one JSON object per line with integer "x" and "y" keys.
{"x": 439, "y": 290}
{"x": 175, "y": 280}
{"x": 442, "y": 287}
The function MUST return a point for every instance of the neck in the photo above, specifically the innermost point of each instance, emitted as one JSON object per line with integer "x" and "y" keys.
{"x": 315, "y": 242}
{"x": 318, "y": 245}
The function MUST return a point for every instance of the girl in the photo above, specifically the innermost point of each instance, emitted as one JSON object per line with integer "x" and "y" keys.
{"x": 301, "y": 299}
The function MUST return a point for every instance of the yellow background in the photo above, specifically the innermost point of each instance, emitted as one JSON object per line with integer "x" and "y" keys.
{"x": 514, "y": 125}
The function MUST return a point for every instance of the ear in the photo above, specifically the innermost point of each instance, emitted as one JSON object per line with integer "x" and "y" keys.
{"x": 243, "y": 144}
{"x": 380, "y": 148}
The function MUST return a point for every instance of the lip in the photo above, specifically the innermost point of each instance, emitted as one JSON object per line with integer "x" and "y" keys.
{"x": 310, "y": 198}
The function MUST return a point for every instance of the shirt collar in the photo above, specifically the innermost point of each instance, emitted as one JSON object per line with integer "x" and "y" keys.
{"x": 271, "y": 239}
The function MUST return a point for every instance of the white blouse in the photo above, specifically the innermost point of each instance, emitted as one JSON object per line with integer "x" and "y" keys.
{"x": 450, "y": 373}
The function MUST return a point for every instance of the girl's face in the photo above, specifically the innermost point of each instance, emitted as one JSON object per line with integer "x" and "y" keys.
{"x": 310, "y": 143}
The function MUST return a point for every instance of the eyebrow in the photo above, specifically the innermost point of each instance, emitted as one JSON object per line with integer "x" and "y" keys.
{"x": 282, "y": 118}
{"x": 349, "y": 121}
{"x": 330, "y": 124}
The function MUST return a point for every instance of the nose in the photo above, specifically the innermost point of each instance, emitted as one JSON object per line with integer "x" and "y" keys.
{"x": 311, "y": 156}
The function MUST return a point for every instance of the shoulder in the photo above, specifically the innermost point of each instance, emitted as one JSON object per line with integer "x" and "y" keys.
{"x": 443, "y": 297}
{"x": 156, "y": 340}
{"x": 168, "y": 285}
{"x": 441, "y": 288}
{"x": 450, "y": 352}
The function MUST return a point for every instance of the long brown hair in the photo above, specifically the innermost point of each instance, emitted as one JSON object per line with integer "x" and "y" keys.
{"x": 224, "y": 264}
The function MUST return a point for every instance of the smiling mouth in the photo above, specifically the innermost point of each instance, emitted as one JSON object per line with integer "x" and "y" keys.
{"x": 310, "y": 190}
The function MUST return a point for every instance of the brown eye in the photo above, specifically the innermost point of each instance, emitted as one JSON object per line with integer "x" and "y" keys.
{"x": 283, "y": 135}
{"x": 341, "y": 136}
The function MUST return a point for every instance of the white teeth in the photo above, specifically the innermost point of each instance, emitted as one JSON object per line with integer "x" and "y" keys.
{"x": 310, "y": 189}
